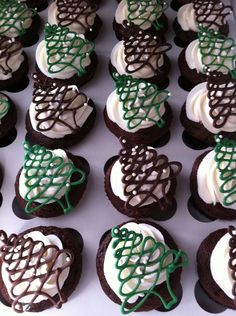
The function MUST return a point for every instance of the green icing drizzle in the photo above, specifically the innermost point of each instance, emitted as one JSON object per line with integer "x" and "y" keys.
{"x": 138, "y": 257}
{"x": 43, "y": 171}
{"x": 4, "y": 106}
{"x": 216, "y": 51}
{"x": 13, "y": 15}
{"x": 65, "y": 49}
{"x": 225, "y": 157}
{"x": 140, "y": 11}
{"x": 138, "y": 99}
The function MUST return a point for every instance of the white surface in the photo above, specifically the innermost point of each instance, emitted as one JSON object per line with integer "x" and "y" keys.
{"x": 95, "y": 214}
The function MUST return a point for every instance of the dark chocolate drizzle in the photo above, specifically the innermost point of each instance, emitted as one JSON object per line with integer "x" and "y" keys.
{"x": 75, "y": 11}
{"x": 232, "y": 258}
{"x": 8, "y": 48}
{"x": 142, "y": 49}
{"x": 56, "y": 103}
{"x": 211, "y": 13}
{"x": 222, "y": 97}
{"x": 25, "y": 256}
{"x": 140, "y": 169}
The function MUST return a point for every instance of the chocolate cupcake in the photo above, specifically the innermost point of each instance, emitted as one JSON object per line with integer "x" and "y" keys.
{"x": 138, "y": 279}
{"x": 212, "y": 51}
{"x": 216, "y": 266}
{"x": 209, "y": 14}
{"x": 40, "y": 5}
{"x": 51, "y": 182}
{"x": 137, "y": 110}
{"x": 210, "y": 109}
{"x": 40, "y": 267}
{"x": 148, "y": 15}
{"x": 213, "y": 192}
{"x": 64, "y": 57}
{"x": 141, "y": 55}
{"x": 59, "y": 115}
{"x": 176, "y": 4}
{"x": 78, "y": 15}
{"x": 8, "y": 117}
{"x": 13, "y": 65}
{"x": 140, "y": 183}
{"x": 19, "y": 22}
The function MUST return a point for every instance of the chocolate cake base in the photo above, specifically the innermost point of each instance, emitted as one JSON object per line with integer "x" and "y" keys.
{"x": 8, "y": 122}
{"x": 40, "y": 5}
{"x": 176, "y": 4}
{"x": 31, "y": 36}
{"x": 91, "y": 35}
{"x": 204, "y": 272}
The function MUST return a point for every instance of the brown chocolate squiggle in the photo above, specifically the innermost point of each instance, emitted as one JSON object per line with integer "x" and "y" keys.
{"x": 142, "y": 49}
{"x": 222, "y": 97}
{"x": 75, "y": 12}
{"x": 211, "y": 13}
{"x": 8, "y": 48}
{"x": 142, "y": 166}
{"x": 52, "y": 102}
{"x": 31, "y": 261}
{"x": 232, "y": 258}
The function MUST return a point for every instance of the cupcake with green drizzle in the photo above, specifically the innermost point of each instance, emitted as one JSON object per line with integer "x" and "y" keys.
{"x": 148, "y": 15}
{"x": 8, "y": 117}
{"x": 213, "y": 192}
{"x": 65, "y": 57}
{"x": 139, "y": 267}
{"x": 19, "y": 22}
{"x": 51, "y": 182}
{"x": 137, "y": 110}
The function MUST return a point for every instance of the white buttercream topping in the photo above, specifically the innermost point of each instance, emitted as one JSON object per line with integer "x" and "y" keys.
{"x": 50, "y": 286}
{"x": 186, "y": 18}
{"x": 198, "y": 110}
{"x": 219, "y": 266}
{"x": 85, "y": 20}
{"x": 118, "y": 61}
{"x": 59, "y": 130}
{"x": 52, "y": 190}
{"x": 111, "y": 273}
{"x": 208, "y": 182}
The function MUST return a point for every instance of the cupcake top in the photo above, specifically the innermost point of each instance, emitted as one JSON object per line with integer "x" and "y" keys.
{"x": 219, "y": 183}
{"x": 46, "y": 177}
{"x": 15, "y": 18}
{"x": 213, "y": 104}
{"x": 136, "y": 261}
{"x": 142, "y": 13}
{"x": 222, "y": 263}
{"x": 141, "y": 177}
{"x": 63, "y": 54}
{"x": 77, "y": 15}
{"x": 211, "y": 51}
{"x": 34, "y": 268}
{"x": 58, "y": 110}
{"x": 136, "y": 104}
{"x": 11, "y": 57}
{"x": 4, "y": 106}
{"x": 140, "y": 54}
{"x": 211, "y": 14}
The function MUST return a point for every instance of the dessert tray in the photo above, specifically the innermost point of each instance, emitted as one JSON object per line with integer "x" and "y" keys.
{"x": 94, "y": 215}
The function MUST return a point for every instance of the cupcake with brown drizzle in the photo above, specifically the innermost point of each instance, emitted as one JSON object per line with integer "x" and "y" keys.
{"x": 80, "y": 16}
{"x": 59, "y": 115}
{"x": 140, "y": 183}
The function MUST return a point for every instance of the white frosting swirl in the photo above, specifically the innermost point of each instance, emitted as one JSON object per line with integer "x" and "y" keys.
{"x": 209, "y": 182}
{"x": 59, "y": 130}
{"x": 118, "y": 61}
{"x": 138, "y": 17}
{"x": 198, "y": 110}
{"x": 68, "y": 72}
{"x": 50, "y": 286}
{"x": 85, "y": 20}
{"x": 186, "y": 18}
{"x": 111, "y": 273}
{"x": 116, "y": 113}
{"x": 118, "y": 186}
{"x": 52, "y": 190}
{"x": 219, "y": 266}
